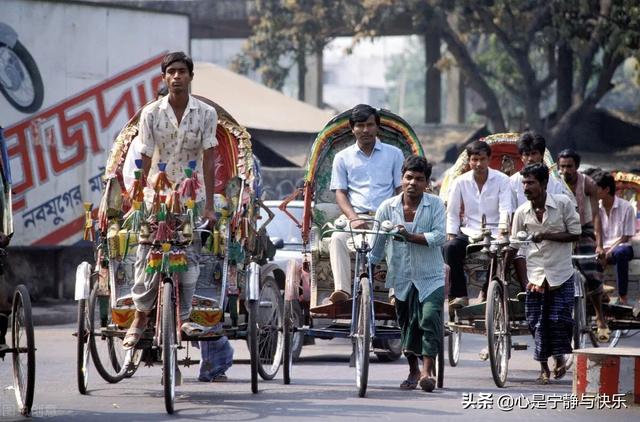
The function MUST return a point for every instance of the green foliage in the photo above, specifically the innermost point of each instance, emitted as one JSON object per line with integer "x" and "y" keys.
{"x": 406, "y": 77}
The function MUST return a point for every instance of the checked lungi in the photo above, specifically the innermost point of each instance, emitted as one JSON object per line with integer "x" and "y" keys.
{"x": 550, "y": 320}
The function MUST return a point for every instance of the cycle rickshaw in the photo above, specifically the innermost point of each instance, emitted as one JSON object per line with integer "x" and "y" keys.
{"x": 17, "y": 314}
{"x": 502, "y": 315}
{"x": 367, "y": 318}
{"x": 234, "y": 296}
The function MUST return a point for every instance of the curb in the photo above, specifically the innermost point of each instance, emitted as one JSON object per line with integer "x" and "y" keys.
{"x": 58, "y": 314}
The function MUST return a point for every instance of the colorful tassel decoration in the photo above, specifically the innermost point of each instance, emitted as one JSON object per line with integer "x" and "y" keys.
{"x": 174, "y": 205}
{"x": 133, "y": 221}
{"x": 163, "y": 233}
{"x": 177, "y": 262}
{"x": 154, "y": 261}
{"x": 191, "y": 184}
{"x": 88, "y": 222}
{"x": 161, "y": 184}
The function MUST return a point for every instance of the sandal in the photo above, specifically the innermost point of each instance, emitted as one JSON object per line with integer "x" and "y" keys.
{"x": 409, "y": 384}
{"x": 543, "y": 378}
{"x": 560, "y": 370}
{"x": 220, "y": 378}
{"x": 427, "y": 384}
{"x": 603, "y": 335}
{"x": 132, "y": 337}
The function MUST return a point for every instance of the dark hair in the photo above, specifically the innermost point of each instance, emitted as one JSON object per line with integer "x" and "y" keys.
{"x": 539, "y": 171}
{"x": 418, "y": 164}
{"x": 569, "y": 153}
{"x": 606, "y": 181}
{"x": 478, "y": 147}
{"x": 162, "y": 91}
{"x": 361, "y": 113}
{"x": 177, "y": 56}
{"x": 531, "y": 141}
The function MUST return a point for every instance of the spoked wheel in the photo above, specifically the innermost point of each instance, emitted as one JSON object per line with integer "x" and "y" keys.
{"x": 392, "y": 347}
{"x": 252, "y": 338}
{"x": 497, "y": 335}
{"x": 440, "y": 364}
{"x": 83, "y": 347}
{"x": 169, "y": 346}
{"x": 615, "y": 337}
{"x": 362, "y": 339}
{"x": 288, "y": 325}
{"x": 107, "y": 352}
{"x": 454, "y": 347}
{"x": 581, "y": 330}
{"x": 270, "y": 335}
{"x": 24, "y": 350}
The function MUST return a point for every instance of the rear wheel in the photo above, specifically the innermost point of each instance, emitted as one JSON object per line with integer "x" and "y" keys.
{"x": 362, "y": 339}
{"x": 289, "y": 334}
{"x": 454, "y": 347}
{"x": 440, "y": 364}
{"x": 252, "y": 337}
{"x": 497, "y": 335}
{"x": 24, "y": 350}
{"x": 169, "y": 346}
{"x": 83, "y": 347}
{"x": 270, "y": 329}
{"x": 392, "y": 347}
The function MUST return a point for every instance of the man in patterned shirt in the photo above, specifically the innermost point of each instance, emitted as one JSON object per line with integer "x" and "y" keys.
{"x": 174, "y": 130}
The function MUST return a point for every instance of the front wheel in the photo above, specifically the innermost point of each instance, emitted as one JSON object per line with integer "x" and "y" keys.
{"x": 362, "y": 339}
{"x": 497, "y": 333}
{"x": 270, "y": 332}
{"x": 169, "y": 346}
{"x": 24, "y": 350}
{"x": 454, "y": 338}
{"x": 288, "y": 334}
{"x": 83, "y": 351}
{"x": 252, "y": 337}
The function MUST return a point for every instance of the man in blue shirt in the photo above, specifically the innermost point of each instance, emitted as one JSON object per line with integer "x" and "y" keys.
{"x": 416, "y": 269}
{"x": 363, "y": 175}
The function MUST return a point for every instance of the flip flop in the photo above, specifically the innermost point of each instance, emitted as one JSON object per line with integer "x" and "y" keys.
{"x": 427, "y": 384}
{"x": 543, "y": 378}
{"x": 560, "y": 371}
{"x": 132, "y": 337}
{"x": 409, "y": 384}
{"x": 220, "y": 378}
{"x": 603, "y": 335}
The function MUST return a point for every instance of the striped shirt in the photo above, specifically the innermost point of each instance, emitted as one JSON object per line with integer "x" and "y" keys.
{"x": 410, "y": 263}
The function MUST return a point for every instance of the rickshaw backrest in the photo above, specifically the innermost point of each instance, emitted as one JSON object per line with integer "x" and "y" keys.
{"x": 336, "y": 136}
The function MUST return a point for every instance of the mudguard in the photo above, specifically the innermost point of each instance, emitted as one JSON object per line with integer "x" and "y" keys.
{"x": 8, "y": 36}
{"x": 83, "y": 281}
{"x": 254, "y": 281}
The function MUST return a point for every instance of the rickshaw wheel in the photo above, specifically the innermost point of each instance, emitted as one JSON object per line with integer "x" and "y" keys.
{"x": 497, "y": 335}
{"x": 24, "y": 372}
{"x": 83, "y": 347}
{"x": 103, "y": 355}
{"x": 270, "y": 330}
{"x": 169, "y": 346}
{"x": 454, "y": 347}
{"x": 252, "y": 338}
{"x": 440, "y": 363}
{"x": 287, "y": 329}
{"x": 363, "y": 337}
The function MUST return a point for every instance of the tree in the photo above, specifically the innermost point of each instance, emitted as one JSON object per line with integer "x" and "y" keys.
{"x": 406, "y": 79}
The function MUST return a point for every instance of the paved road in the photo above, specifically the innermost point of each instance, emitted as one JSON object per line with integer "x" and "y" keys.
{"x": 323, "y": 388}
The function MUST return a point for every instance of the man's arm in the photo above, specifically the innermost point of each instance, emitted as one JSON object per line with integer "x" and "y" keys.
{"x": 453, "y": 211}
{"x": 380, "y": 242}
{"x": 147, "y": 143}
{"x": 571, "y": 223}
{"x": 591, "y": 187}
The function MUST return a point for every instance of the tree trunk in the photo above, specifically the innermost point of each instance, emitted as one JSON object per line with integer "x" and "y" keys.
{"x": 564, "y": 82}
{"x": 433, "y": 96}
{"x": 301, "y": 61}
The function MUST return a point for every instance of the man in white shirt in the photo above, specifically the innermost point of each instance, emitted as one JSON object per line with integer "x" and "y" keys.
{"x": 363, "y": 175}
{"x": 175, "y": 130}
{"x": 480, "y": 191}
{"x": 554, "y": 224}
{"x": 618, "y": 220}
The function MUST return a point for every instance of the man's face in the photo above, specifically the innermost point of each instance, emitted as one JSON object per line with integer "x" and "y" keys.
{"x": 414, "y": 183}
{"x": 479, "y": 163}
{"x": 531, "y": 157}
{"x": 365, "y": 132}
{"x": 177, "y": 77}
{"x": 532, "y": 188}
{"x": 568, "y": 169}
{"x": 601, "y": 192}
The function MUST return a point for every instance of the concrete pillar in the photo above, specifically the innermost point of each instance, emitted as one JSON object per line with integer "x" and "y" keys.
{"x": 313, "y": 80}
{"x": 455, "y": 96}
{"x": 432, "y": 100}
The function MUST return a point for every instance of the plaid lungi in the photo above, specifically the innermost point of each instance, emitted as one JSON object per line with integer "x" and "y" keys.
{"x": 586, "y": 245}
{"x": 550, "y": 320}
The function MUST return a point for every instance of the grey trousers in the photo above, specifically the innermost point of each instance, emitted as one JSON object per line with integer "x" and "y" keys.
{"x": 145, "y": 288}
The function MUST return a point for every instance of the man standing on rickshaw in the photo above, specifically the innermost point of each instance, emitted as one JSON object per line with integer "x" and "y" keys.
{"x": 481, "y": 191}
{"x": 363, "y": 175}
{"x": 554, "y": 224}
{"x": 174, "y": 130}
{"x": 585, "y": 196}
{"x": 416, "y": 269}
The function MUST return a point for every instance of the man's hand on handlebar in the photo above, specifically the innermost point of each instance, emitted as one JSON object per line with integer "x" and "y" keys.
{"x": 210, "y": 216}
{"x": 358, "y": 224}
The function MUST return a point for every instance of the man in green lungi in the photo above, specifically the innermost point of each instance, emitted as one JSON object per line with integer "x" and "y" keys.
{"x": 416, "y": 269}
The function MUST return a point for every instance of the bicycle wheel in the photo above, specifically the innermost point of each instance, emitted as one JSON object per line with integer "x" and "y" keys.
{"x": 169, "y": 346}
{"x": 104, "y": 347}
{"x": 252, "y": 339}
{"x": 270, "y": 334}
{"x": 287, "y": 329}
{"x": 83, "y": 351}
{"x": 24, "y": 350}
{"x": 363, "y": 336}
{"x": 497, "y": 335}
{"x": 440, "y": 364}
{"x": 454, "y": 347}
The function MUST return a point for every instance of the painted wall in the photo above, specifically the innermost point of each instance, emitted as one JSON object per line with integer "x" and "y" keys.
{"x": 98, "y": 66}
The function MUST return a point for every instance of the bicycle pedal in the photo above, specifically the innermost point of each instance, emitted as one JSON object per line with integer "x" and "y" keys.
{"x": 519, "y": 346}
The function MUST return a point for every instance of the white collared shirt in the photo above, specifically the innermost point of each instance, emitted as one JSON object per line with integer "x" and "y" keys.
{"x": 167, "y": 142}
{"x": 555, "y": 185}
{"x": 621, "y": 221}
{"x": 494, "y": 201}
{"x": 368, "y": 180}
{"x": 548, "y": 259}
